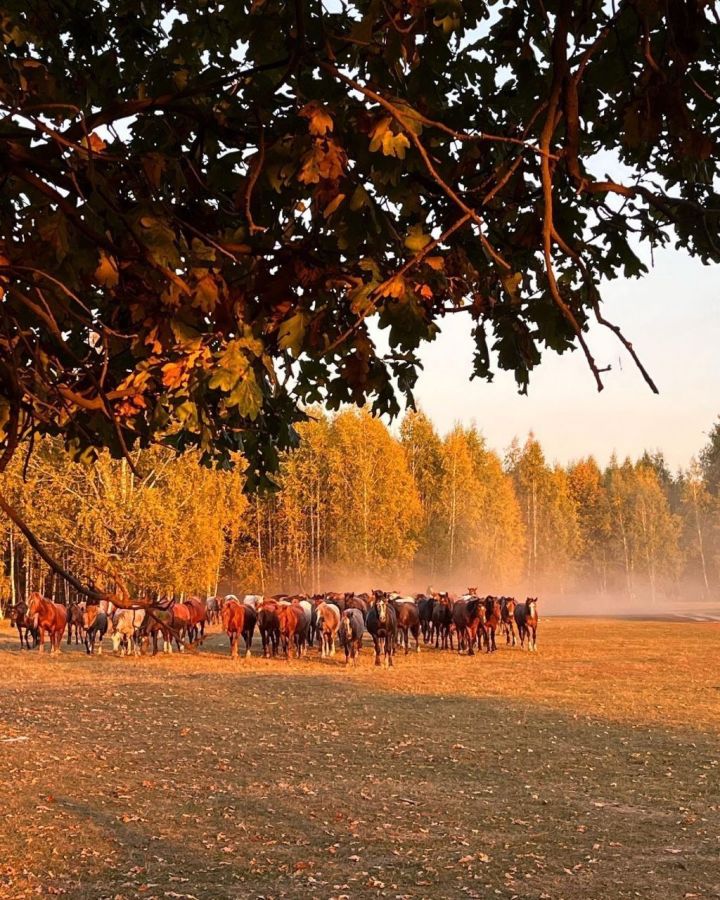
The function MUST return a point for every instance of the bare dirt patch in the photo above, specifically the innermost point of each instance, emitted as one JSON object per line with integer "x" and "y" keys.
{"x": 588, "y": 770}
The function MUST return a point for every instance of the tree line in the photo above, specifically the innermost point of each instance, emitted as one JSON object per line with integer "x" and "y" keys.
{"x": 357, "y": 503}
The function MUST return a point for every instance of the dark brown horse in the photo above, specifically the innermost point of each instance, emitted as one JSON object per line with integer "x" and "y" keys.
{"x": 469, "y": 619}
{"x": 408, "y": 623}
{"x": 441, "y": 620}
{"x": 26, "y": 630}
{"x": 493, "y": 616}
{"x": 238, "y": 620}
{"x": 425, "y": 610}
{"x": 151, "y": 629}
{"x": 382, "y": 627}
{"x": 526, "y": 618}
{"x": 269, "y": 625}
{"x": 47, "y": 617}
{"x": 355, "y": 601}
{"x": 350, "y": 634}
{"x": 75, "y": 614}
{"x": 508, "y": 619}
{"x": 340, "y": 600}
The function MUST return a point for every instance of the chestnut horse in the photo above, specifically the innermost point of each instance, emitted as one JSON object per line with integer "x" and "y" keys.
{"x": 238, "y": 619}
{"x": 75, "y": 615}
{"x": 328, "y": 620}
{"x": 47, "y": 616}
{"x": 294, "y": 625}
{"x": 197, "y": 609}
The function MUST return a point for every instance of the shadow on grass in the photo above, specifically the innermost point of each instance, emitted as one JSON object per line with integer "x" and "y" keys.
{"x": 234, "y": 780}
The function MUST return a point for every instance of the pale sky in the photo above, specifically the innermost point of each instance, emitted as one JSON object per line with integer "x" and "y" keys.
{"x": 671, "y": 316}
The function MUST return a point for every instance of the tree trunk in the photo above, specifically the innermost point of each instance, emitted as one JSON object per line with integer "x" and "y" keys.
{"x": 701, "y": 543}
{"x": 13, "y": 590}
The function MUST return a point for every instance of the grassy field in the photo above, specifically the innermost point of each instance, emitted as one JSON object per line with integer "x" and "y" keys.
{"x": 588, "y": 770}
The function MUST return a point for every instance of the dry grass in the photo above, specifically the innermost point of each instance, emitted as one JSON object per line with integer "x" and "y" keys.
{"x": 589, "y": 770}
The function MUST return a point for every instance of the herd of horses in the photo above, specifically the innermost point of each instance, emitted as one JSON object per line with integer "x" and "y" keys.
{"x": 288, "y": 624}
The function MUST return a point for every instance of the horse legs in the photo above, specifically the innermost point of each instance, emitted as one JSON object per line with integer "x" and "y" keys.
{"x": 416, "y": 635}
{"x": 376, "y": 641}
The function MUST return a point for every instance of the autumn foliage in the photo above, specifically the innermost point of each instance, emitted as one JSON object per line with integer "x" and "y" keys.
{"x": 357, "y": 505}
{"x": 208, "y": 210}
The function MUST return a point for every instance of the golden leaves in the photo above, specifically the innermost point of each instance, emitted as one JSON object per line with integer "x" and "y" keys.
{"x": 416, "y": 240}
{"x": 326, "y": 160}
{"x": 319, "y": 120}
{"x": 382, "y": 137}
{"x": 394, "y": 288}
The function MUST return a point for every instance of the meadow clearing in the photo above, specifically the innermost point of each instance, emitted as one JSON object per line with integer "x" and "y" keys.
{"x": 588, "y": 770}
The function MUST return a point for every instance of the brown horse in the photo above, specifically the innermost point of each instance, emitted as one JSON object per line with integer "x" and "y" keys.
{"x": 95, "y": 624}
{"x": 269, "y": 626}
{"x": 469, "y": 620}
{"x": 442, "y": 620}
{"x": 152, "y": 628}
{"x": 238, "y": 619}
{"x": 493, "y": 616}
{"x": 508, "y": 619}
{"x": 328, "y": 621}
{"x": 171, "y": 620}
{"x": 48, "y": 617}
{"x": 408, "y": 622}
{"x": 294, "y": 625}
{"x": 198, "y": 617}
{"x": 75, "y": 616}
{"x": 20, "y": 619}
{"x": 526, "y": 618}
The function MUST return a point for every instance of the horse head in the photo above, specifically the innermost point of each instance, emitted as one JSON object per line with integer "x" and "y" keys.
{"x": 531, "y": 606}
{"x": 472, "y": 591}
{"x": 381, "y": 605}
{"x": 34, "y": 606}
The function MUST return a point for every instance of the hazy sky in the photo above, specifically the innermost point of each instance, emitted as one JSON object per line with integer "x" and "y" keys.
{"x": 672, "y": 318}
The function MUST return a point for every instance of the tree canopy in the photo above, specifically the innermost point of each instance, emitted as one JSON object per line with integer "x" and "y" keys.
{"x": 207, "y": 207}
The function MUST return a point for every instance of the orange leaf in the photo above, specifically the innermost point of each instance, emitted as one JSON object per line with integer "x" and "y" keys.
{"x": 319, "y": 121}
